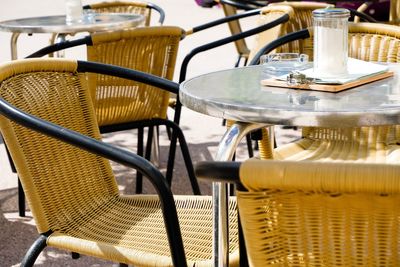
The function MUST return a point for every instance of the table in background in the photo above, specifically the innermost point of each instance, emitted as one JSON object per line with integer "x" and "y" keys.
{"x": 91, "y": 22}
{"x": 236, "y": 94}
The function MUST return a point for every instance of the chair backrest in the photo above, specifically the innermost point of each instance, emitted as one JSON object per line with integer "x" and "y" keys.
{"x": 148, "y": 49}
{"x": 62, "y": 184}
{"x": 300, "y": 18}
{"x": 134, "y": 7}
{"x": 320, "y": 214}
{"x": 368, "y": 41}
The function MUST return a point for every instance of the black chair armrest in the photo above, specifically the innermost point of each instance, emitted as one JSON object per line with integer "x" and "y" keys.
{"x": 87, "y": 40}
{"x": 302, "y": 34}
{"x": 108, "y": 69}
{"x": 226, "y": 40}
{"x": 218, "y": 171}
{"x": 223, "y": 20}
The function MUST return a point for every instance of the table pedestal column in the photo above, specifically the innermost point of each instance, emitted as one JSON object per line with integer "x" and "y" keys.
{"x": 220, "y": 191}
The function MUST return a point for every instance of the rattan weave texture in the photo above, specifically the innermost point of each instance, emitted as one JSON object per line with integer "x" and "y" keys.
{"x": 320, "y": 214}
{"x": 149, "y": 49}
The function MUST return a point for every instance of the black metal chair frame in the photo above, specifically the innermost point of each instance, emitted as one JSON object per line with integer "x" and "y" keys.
{"x": 110, "y": 152}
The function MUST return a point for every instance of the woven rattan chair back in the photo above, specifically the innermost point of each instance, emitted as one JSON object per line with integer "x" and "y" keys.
{"x": 149, "y": 49}
{"x": 134, "y": 7}
{"x": 300, "y": 18}
{"x": 69, "y": 191}
{"x": 319, "y": 214}
{"x": 367, "y": 41}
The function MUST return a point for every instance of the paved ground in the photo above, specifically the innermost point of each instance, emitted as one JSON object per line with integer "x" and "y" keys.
{"x": 202, "y": 132}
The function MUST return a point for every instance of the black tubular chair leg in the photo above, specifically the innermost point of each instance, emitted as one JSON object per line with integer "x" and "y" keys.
{"x": 178, "y": 134}
{"x": 35, "y": 250}
{"x": 21, "y": 194}
{"x": 75, "y": 255}
{"x": 150, "y": 135}
{"x": 139, "y": 176}
{"x": 249, "y": 145}
{"x": 123, "y": 265}
{"x": 21, "y": 199}
{"x": 243, "y": 260}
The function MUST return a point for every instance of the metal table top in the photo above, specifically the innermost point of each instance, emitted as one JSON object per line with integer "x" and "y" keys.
{"x": 57, "y": 24}
{"x": 237, "y": 94}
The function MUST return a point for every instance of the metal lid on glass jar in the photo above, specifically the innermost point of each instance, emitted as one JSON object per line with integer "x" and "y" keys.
{"x": 331, "y": 13}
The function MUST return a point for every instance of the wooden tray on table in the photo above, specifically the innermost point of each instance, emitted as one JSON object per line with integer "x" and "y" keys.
{"x": 327, "y": 87}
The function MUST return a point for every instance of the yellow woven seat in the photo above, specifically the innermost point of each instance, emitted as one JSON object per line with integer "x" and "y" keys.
{"x": 131, "y": 229}
{"x": 73, "y": 194}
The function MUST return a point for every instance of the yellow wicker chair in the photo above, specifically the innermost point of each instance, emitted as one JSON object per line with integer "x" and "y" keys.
{"x": 135, "y": 7}
{"x": 312, "y": 213}
{"x": 73, "y": 194}
{"x": 370, "y": 42}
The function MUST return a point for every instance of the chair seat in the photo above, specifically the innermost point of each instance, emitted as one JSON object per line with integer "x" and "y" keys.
{"x": 125, "y": 233}
{"x": 365, "y": 144}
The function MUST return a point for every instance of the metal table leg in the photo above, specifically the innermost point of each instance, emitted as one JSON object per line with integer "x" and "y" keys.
{"x": 226, "y": 150}
{"x": 13, "y": 45}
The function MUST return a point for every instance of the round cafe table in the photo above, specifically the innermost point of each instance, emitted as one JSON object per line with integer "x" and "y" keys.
{"x": 236, "y": 94}
{"x": 91, "y": 22}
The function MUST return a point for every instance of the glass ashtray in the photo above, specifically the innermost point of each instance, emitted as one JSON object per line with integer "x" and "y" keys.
{"x": 284, "y": 62}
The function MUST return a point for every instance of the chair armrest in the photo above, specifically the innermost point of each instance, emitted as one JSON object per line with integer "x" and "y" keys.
{"x": 135, "y": 75}
{"x": 321, "y": 176}
{"x": 160, "y": 12}
{"x": 223, "y": 20}
{"x": 218, "y": 171}
{"x": 110, "y": 152}
{"x": 87, "y": 40}
{"x": 344, "y": 177}
{"x": 245, "y": 5}
{"x": 362, "y": 15}
{"x": 302, "y": 34}
{"x": 223, "y": 41}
